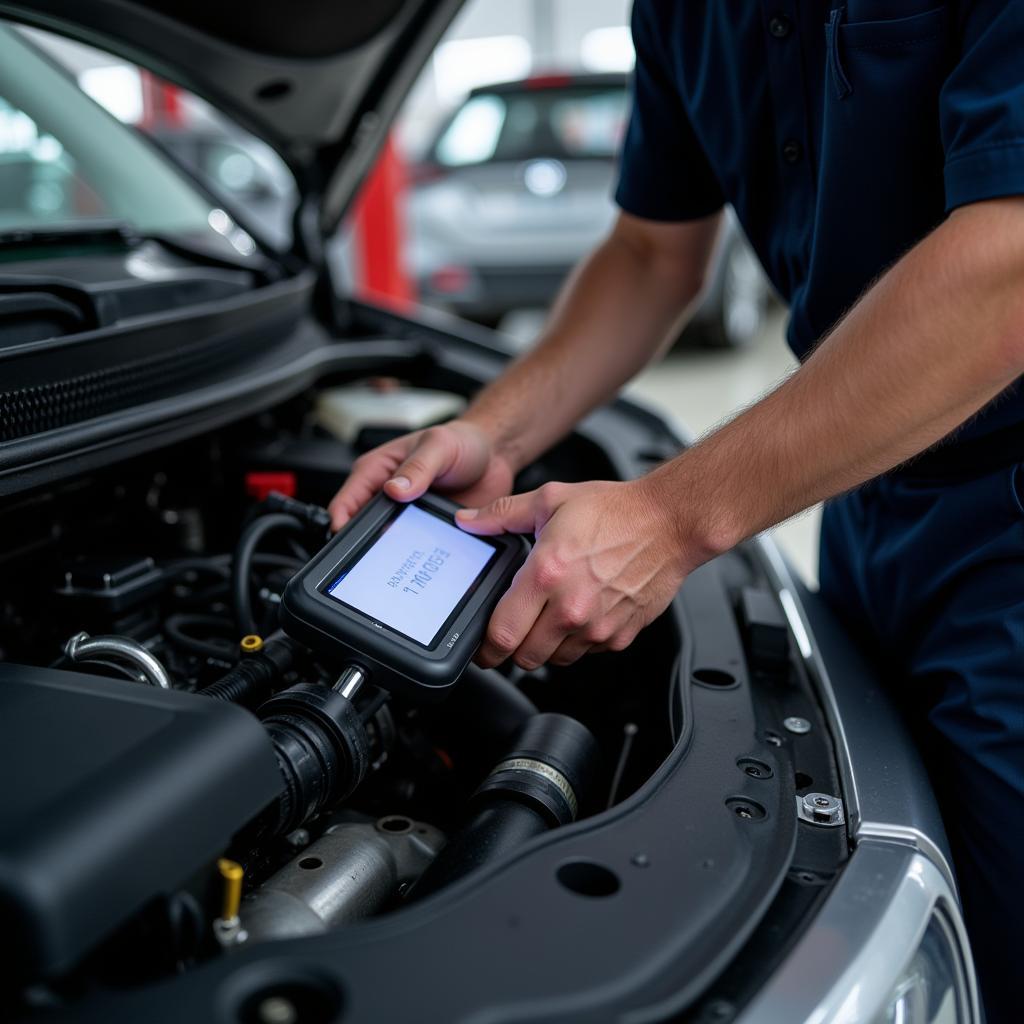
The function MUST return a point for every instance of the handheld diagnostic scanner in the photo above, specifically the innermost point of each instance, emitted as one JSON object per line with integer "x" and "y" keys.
{"x": 402, "y": 594}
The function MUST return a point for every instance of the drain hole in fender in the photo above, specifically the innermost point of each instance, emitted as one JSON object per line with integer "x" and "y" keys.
{"x": 292, "y": 1003}
{"x": 585, "y": 878}
{"x": 754, "y": 768}
{"x": 713, "y": 677}
{"x": 748, "y": 810}
{"x": 275, "y": 89}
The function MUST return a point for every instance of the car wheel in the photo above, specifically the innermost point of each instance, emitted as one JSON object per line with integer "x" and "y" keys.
{"x": 743, "y": 298}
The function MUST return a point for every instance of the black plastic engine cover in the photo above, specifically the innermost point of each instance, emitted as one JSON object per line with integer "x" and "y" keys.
{"x": 114, "y": 793}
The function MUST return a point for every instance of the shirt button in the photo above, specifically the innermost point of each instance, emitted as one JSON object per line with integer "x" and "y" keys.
{"x": 792, "y": 151}
{"x": 780, "y": 26}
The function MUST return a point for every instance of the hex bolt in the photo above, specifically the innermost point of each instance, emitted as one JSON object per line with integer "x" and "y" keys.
{"x": 822, "y": 807}
{"x": 298, "y": 839}
{"x": 800, "y": 726}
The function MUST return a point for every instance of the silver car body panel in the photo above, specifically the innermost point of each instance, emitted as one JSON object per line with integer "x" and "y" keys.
{"x": 851, "y": 955}
{"x": 844, "y": 968}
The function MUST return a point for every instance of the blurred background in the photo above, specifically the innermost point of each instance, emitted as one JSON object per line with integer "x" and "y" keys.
{"x": 496, "y": 180}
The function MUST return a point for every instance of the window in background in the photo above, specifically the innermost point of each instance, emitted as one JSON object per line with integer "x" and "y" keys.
{"x": 546, "y": 119}
{"x": 462, "y": 64}
{"x": 118, "y": 87}
{"x": 608, "y": 49}
{"x": 251, "y": 180}
{"x": 39, "y": 181}
{"x": 473, "y": 135}
{"x": 66, "y": 159}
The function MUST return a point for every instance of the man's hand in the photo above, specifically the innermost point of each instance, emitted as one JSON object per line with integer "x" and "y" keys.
{"x": 617, "y": 309}
{"x": 607, "y": 562}
{"x": 457, "y": 457}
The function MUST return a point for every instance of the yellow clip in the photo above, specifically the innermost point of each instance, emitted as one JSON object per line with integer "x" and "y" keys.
{"x": 232, "y": 873}
{"x": 251, "y": 643}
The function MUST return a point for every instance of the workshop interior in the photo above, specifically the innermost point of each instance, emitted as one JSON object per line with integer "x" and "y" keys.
{"x": 253, "y": 772}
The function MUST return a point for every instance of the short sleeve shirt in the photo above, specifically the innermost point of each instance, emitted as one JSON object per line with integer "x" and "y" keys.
{"x": 840, "y": 134}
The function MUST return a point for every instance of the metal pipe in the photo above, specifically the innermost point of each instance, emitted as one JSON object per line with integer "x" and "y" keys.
{"x": 350, "y": 681}
{"x": 82, "y": 647}
{"x": 352, "y": 871}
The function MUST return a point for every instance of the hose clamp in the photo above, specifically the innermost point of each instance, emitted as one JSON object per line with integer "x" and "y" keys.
{"x": 552, "y": 775}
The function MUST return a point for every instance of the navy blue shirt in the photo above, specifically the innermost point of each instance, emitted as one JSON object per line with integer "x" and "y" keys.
{"x": 841, "y": 135}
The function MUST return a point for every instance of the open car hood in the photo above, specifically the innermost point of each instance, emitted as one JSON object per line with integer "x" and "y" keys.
{"x": 319, "y": 81}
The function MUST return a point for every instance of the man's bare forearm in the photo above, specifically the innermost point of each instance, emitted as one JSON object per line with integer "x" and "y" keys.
{"x": 614, "y": 314}
{"x": 935, "y": 339}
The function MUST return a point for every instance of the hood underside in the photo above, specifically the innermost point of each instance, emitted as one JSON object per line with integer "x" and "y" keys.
{"x": 318, "y": 81}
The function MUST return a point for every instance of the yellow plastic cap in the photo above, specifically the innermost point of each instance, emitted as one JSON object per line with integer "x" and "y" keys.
{"x": 231, "y": 871}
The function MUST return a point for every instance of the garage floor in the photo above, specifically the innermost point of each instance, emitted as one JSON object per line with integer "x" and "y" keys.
{"x": 698, "y": 388}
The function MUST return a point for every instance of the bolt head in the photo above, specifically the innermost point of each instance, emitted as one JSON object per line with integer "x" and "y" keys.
{"x": 298, "y": 838}
{"x": 799, "y": 726}
{"x": 821, "y": 807}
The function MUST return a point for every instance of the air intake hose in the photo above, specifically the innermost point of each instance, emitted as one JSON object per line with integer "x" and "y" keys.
{"x": 537, "y": 786}
{"x": 322, "y": 750}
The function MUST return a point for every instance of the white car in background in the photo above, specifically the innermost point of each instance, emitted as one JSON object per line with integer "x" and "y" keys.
{"x": 516, "y": 188}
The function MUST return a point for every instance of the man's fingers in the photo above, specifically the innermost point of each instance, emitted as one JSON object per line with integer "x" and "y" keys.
{"x": 611, "y": 632}
{"x": 367, "y": 477}
{"x": 512, "y": 620}
{"x": 515, "y": 513}
{"x": 545, "y": 637}
{"x": 432, "y": 456}
{"x": 621, "y": 636}
{"x": 571, "y": 649}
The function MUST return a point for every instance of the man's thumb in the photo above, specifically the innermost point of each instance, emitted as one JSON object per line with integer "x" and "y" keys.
{"x": 431, "y": 458}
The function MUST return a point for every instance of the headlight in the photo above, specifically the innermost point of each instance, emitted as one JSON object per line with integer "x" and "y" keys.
{"x": 932, "y": 989}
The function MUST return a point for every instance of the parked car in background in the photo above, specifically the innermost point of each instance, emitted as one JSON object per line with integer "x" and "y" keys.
{"x": 516, "y": 189}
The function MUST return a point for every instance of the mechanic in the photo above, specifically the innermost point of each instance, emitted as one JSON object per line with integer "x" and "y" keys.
{"x": 874, "y": 154}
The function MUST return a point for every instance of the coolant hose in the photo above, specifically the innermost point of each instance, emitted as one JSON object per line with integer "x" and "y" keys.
{"x": 484, "y": 713}
{"x": 537, "y": 786}
{"x": 256, "y": 676}
{"x": 241, "y": 564}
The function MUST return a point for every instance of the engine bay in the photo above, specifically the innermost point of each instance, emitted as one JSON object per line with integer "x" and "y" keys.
{"x": 282, "y": 798}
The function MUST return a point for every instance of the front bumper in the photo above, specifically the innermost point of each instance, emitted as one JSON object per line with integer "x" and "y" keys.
{"x": 854, "y": 963}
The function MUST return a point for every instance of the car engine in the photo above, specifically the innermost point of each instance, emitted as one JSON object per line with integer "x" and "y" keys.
{"x": 193, "y": 781}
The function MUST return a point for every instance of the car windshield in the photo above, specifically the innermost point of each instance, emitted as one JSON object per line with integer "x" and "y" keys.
{"x": 570, "y": 122}
{"x": 66, "y": 161}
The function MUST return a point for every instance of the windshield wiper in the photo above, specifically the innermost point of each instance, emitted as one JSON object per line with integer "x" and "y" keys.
{"x": 122, "y": 235}
{"x": 88, "y": 233}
